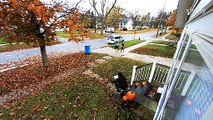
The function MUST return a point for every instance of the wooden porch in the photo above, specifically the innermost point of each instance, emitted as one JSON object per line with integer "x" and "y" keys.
{"x": 156, "y": 75}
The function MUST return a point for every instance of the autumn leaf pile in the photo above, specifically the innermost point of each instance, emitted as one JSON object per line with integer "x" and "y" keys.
{"x": 34, "y": 72}
{"x": 78, "y": 97}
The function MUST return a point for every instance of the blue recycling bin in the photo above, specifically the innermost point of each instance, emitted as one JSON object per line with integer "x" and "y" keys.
{"x": 87, "y": 49}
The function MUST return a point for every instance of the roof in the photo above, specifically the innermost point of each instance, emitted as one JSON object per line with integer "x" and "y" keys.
{"x": 126, "y": 19}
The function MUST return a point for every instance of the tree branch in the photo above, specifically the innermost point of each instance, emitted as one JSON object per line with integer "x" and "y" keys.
{"x": 78, "y": 4}
{"x": 93, "y": 4}
{"x": 113, "y": 5}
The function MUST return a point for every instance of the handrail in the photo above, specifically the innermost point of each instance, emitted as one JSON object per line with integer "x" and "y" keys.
{"x": 144, "y": 66}
{"x": 160, "y": 75}
{"x": 142, "y": 73}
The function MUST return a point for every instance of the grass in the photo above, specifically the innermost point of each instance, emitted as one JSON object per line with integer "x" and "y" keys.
{"x": 2, "y": 40}
{"x": 129, "y": 43}
{"x": 20, "y": 46}
{"x": 160, "y": 42}
{"x": 195, "y": 58}
{"x": 112, "y": 67}
{"x": 133, "y": 31}
{"x": 34, "y": 73}
{"x": 193, "y": 46}
{"x": 11, "y": 47}
{"x": 62, "y": 34}
{"x": 92, "y": 36}
{"x": 97, "y": 35}
{"x": 78, "y": 97}
{"x": 174, "y": 36}
{"x": 156, "y": 50}
{"x": 169, "y": 43}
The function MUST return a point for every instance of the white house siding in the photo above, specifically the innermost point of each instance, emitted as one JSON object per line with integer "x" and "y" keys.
{"x": 127, "y": 24}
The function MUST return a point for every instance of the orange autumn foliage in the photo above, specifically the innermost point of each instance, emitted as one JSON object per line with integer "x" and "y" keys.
{"x": 171, "y": 20}
{"x": 34, "y": 21}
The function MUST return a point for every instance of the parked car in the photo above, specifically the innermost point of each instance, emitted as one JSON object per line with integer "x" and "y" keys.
{"x": 110, "y": 30}
{"x": 114, "y": 38}
{"x": 144, "y": 27}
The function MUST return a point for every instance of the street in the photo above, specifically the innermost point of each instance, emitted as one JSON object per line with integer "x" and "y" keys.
{"x": 67, "y": 47}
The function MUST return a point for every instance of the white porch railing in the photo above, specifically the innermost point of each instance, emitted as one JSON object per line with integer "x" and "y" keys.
{"x": 160, "y": 75}
{"x": 159, "y": 78}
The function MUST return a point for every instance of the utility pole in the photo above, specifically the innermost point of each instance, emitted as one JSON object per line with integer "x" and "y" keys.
{"x": 161, "y": 17}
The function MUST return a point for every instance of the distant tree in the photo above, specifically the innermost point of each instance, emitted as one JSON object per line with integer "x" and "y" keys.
{"x": 104, "y": 11}
{"x": 36, "y": 21}
{"x": 115, "y": 17}
{"x": 172, "y": 18}
{"x": 161, "y": 20}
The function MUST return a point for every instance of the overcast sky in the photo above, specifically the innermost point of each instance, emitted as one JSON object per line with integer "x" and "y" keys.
{"x": 143, "y": 6}
{"x": 152, "y": 6}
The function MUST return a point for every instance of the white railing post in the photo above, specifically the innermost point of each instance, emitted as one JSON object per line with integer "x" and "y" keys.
{"x": 133, "y": 74}
{"x": 188, "y": 83}
{"x": 152, "y": 72}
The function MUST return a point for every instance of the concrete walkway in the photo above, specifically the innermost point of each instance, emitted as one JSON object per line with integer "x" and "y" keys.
{"x": 144, "y": 58}
{"x": 127, "y": 54}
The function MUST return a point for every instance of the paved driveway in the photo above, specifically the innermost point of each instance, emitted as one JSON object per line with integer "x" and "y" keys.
{"x": 67, "y": 47}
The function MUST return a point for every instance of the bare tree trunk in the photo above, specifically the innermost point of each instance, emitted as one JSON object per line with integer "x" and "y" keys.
{"x": 95, "y": 25}
{"x": 44, "y": 55}
{"x": 102, "y": 27}
{"x": 95, "y": 28}
{"x": 165, "y": 29}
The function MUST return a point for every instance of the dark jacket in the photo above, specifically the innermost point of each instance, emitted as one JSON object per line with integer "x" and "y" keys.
{"x": 120, "y": 82}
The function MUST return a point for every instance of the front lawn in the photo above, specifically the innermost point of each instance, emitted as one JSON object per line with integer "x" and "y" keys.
{"x": 160, "y": 42}
{"x": 129, "y": 43}
{"x": 174, "y": 36}
{"x": 74, "y": 97}
{"x": 62, "y": 34}
{"x": 92, "y": 35}
{"x": 97, "y": 35}
{"x": 195, "y": 58}
{"x": 2, "y": 40}
{"x": 21, "y": 46}
{"x": 156, "y": 50}
{"x": 112, "y": 67}
{"x": 12, "y": 47}
{"x": 133, "y": 31}
{"x": 23, "y": 77}
{"x": 78, "y": 97}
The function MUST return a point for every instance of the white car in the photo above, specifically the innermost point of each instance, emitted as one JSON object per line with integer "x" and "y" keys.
{"x": 110, "y": 30}
{"x": 114, "y": 38}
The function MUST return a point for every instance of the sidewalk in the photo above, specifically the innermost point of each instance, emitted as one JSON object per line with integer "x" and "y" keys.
{"x": 139, "y": 57}
{"x": 144, "y": 58}
{"x": 127, "y": 54}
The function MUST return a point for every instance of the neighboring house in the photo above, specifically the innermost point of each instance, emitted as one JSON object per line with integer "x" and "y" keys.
{"x": 126, "y": 24}
{"x": 190, "y": 97}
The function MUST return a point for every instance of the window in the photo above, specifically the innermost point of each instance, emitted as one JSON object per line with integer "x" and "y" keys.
{"x": 118, "y": 37}
{"x": 110, "y": 37}
{"x": 198, "y": 89}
